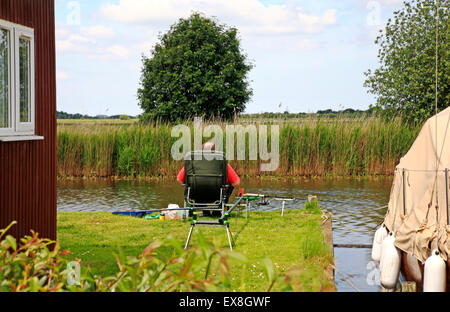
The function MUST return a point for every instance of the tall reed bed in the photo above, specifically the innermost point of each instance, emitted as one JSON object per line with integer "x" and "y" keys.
{"x": 366, "y": 146}
{"x": 309, "y": 147}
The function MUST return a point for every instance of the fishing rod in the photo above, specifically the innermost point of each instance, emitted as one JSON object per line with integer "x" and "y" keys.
{"x": 263, "y": 199}
{"x": 147, "y": 212}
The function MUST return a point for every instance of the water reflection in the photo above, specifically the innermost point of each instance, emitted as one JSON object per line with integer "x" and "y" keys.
{"x": 357, "y": 203}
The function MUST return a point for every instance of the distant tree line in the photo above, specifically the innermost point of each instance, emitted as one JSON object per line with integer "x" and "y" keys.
{"x": 329, "y": 113}
{"x": 64, "y": 115}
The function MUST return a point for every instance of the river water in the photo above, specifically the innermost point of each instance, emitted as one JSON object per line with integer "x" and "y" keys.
{"x": 356, "y": 203}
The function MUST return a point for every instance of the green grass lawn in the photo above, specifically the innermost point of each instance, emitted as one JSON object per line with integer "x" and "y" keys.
{"x": 293, "y": 241}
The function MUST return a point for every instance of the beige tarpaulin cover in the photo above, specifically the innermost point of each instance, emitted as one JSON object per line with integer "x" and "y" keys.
{"x": 417, "y": 211}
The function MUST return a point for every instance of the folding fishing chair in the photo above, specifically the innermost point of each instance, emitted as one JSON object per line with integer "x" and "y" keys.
{"x": 206, "y": 189}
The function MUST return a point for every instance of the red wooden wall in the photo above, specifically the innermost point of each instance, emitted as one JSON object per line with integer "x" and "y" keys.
{"x": 28, "y": 169}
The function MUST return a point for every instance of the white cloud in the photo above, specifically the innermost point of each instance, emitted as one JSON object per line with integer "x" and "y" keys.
{"x": 78, "y": 38}
{"x": 81, "y": 41}
{"x": 64, "y": 45}
{"x": 391, "y": 2}
{"x": 67, "y": 40}
{"x": 119, "y": 51}
{"x": 74, "y": 43}
{"x": 147, "y": 45}
{"x": 98, "y": 31}
{"x": 384, "y": 3}
{"x": 251, "y": 16}
{"x": 312, "y": 23}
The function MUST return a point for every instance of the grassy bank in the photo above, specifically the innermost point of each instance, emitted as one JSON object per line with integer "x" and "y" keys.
{"x": 308, "y": 147}
{"x": 292, "y": 241}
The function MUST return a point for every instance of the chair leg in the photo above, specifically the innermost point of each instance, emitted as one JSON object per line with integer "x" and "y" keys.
{"x": 189, "y": 236}
{"x": 229, "y": 237}
{"x": 247, "y": 209}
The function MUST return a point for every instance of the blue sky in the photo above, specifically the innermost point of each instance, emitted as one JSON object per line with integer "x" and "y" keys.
{"x": 308, "y": 55}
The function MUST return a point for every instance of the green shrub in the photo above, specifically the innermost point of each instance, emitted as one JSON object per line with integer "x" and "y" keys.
{"x": 31, "y": 265}
{"x": 38, "y": 265}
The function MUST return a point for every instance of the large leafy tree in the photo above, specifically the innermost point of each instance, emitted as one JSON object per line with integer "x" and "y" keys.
{"x": 405, "y": 81}
{"x": 196, "y": 69}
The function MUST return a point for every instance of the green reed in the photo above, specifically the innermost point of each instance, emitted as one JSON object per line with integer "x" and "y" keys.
{"x": 308, "y": 147}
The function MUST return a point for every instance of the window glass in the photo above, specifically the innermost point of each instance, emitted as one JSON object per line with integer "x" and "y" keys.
{"x": 4, "y": 78}
{"x": 24, "y": 72}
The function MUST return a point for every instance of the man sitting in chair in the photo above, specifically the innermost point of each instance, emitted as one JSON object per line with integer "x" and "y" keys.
{"x": 232, "y": 180}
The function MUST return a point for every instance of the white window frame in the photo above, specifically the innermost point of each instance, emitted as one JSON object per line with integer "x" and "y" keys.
{"x": 20, "y": 131}
{"x": 23, "y": 128}
{"x": 11, "y": 79}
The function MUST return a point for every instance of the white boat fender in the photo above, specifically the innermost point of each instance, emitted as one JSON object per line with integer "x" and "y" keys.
{"x": 390, "y": 262}
{"x": 434, "y": 279}
{"x": 380, "y": 235}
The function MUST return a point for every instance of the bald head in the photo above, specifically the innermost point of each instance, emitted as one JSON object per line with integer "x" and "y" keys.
{"x": 209, "y": 146}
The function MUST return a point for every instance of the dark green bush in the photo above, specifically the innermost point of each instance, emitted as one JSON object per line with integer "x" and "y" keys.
{"x": 39, "y": 265}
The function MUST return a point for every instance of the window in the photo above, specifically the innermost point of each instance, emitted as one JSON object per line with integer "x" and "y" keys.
{"x": 17, "y": 103}
{"x": 5, "y": 78}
